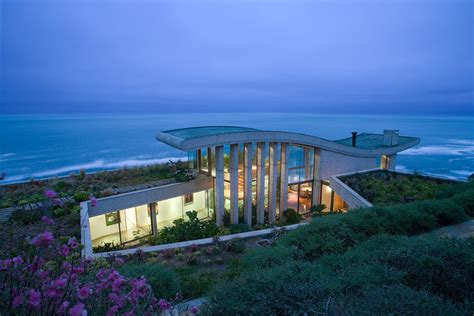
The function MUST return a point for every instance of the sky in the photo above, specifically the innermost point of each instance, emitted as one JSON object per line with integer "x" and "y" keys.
{"x": 157, "y": 56}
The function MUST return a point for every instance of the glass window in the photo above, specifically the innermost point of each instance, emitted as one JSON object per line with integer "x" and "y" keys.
{"x": 300, "y": 164}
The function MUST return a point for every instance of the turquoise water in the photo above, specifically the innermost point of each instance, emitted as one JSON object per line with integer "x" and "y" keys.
{"x": 52, "y": 145}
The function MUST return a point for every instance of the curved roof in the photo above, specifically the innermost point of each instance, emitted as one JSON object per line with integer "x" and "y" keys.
{"x": 368, "y": 145}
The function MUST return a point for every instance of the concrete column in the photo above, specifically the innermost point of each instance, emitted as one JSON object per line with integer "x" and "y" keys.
{"x": 198, "y": 159}
{"x": 219, "y": 185}
{"x": 248, "y": 156}
{"x": 261, "y": 153}
{"x": 285, "y": 155}
{"x": 234, "y": 184}
{"x": 392, "y": 162}
{"x": 307, "y": 155}
{"x": 154, "y": 225}
{"x": 272, "y": 183}
{"x": 317, "y": 176}
{"x": 209, "y": 160}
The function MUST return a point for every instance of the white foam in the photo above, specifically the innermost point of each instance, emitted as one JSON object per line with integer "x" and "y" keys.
{"x": 97, "y": 164}
{"x": 448, "y": 150}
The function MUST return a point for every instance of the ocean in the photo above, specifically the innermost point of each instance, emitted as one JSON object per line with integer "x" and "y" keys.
{"x": 40, "y": 146}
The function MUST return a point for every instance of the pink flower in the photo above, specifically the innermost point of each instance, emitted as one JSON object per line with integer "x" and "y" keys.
{"x": 35, "y": 299}
{"x": 43, "y": 240}
{"x": 195, "y": 310}
{"x": 112, "y": 311}
{"x": 93, "y": 201}
{"x": 164, "y": 305}
{"x": 73, "y": 243}
{"x": 50, "y": 194}
{"x": 64, "y": 250}
{"x": 83, "y": 292}
{"x": 18, "y": 260}
{"x": 17, "y": 300}
{"x": 63, "y": 307}
{"x": 78, "y": 310}
{"x": 119, "y": 261}
{"x": 47, "y": 220}
{"x": 4, "y": 264}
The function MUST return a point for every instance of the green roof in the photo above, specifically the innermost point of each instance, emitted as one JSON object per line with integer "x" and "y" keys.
{"x": 203, "y": 131}
{"x": 372, "y": 141}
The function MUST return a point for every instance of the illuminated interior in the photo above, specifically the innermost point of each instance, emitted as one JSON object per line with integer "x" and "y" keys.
{"x": 131, "y": 224}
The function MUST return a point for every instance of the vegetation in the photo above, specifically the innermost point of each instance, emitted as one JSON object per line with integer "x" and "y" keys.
{"x": 48, "y": 277}
{"x": 383, "y": 187}
{"x": 81, "y": 186}
{"x": 183, "y": 230}
{"x": 360, "y": 262}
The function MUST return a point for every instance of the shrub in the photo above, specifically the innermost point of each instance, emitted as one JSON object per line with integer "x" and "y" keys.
{"x": 323, "y": 235}
{"x": 164, "y": 282}
{"x": 235, "y": 245}
{"x": 26, "y": 216}
{"x": 81, "y": 196}
{"x": 50, "y": 278}
{"x": 107, "y": 246}
{"x": 393, "y": 300}
{"x": 239, "y": 228}
{"x": 291, "y": 216}
{"x": 182, "y": 230}
{"x": 466, "y": 200}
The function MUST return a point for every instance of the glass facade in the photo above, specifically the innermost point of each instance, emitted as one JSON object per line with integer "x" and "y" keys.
{"x": 131, "y": 224}
{"x": 300, "y": 178}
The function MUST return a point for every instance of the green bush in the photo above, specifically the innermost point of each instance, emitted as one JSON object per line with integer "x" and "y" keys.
{"x": 466, "y": 200}
{"x": 291, "y": 216}
{"x": 81, "y": 196}
{"x": 26, "y": 216}
{"x": 235, "y": 245}
{"x": 164, "y": 282}
{"x": 393, "y": 300}
{"x": 196, "y": 283}
{"x": 282, "y": 290}
{"x": 183, "y": 230}
{"x": 239, "y": 228}
{"x": 323, "y": 235}
{"x": 424, "y": 271}
{"x": 107, "y": 246}
{"x": 441, "y": 266}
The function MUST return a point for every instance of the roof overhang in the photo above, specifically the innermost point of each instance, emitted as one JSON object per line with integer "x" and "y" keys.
{"x": 174, "y": 138}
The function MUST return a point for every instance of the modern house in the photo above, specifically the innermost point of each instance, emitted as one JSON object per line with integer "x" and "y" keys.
{"x": 244, "y": 175}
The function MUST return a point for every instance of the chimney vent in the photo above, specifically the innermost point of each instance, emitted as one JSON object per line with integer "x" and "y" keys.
{"x": 390, "y": 137}
{"x": 354, "y": 138}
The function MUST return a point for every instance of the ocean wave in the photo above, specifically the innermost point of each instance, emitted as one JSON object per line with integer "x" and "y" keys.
{"x": 94, "y": 165}
{"x": 6, "y": 155}
{"x": 465, "y": 173}
{"x": 447, "y": 150}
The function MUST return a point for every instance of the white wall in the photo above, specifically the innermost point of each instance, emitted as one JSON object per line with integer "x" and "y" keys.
{"x": 99, "y": 229}
{"x": 174, "y": 208}
{"x": 333, "y": 164}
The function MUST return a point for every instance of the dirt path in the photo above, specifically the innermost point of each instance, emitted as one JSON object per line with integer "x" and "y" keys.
{"x": 463, "y": 230}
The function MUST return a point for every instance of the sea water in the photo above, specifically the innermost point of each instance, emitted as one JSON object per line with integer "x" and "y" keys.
{"x": 39, "y": 146}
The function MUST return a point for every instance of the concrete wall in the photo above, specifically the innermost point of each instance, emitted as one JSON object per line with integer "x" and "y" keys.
{"x": 143, "y": 197}
{"x": 332, "y": 163}
{"x": 351, "y": 197}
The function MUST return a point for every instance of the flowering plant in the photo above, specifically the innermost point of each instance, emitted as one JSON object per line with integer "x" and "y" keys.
{"x": 50, "y": 277}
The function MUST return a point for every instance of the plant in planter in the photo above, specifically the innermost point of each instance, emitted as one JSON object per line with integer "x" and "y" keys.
{"x": 291, "y": 216}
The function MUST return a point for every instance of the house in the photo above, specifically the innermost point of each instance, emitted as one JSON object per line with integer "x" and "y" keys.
{"x": 244, "y": 175}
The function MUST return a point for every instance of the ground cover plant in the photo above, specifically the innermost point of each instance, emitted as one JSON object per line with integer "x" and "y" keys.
{"x": 384, "y": 187}
{"x": 367, "y": 261}
{"x": 46, "y": 275}
{"x": 82, "y": 186}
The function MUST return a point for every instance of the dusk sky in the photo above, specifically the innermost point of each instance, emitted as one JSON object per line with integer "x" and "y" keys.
{"x": 394, "y": 57}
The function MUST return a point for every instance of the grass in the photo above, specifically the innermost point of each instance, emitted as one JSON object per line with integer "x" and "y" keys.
{"x": 383, "y": 187}
{"x": 82, "y": 185}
